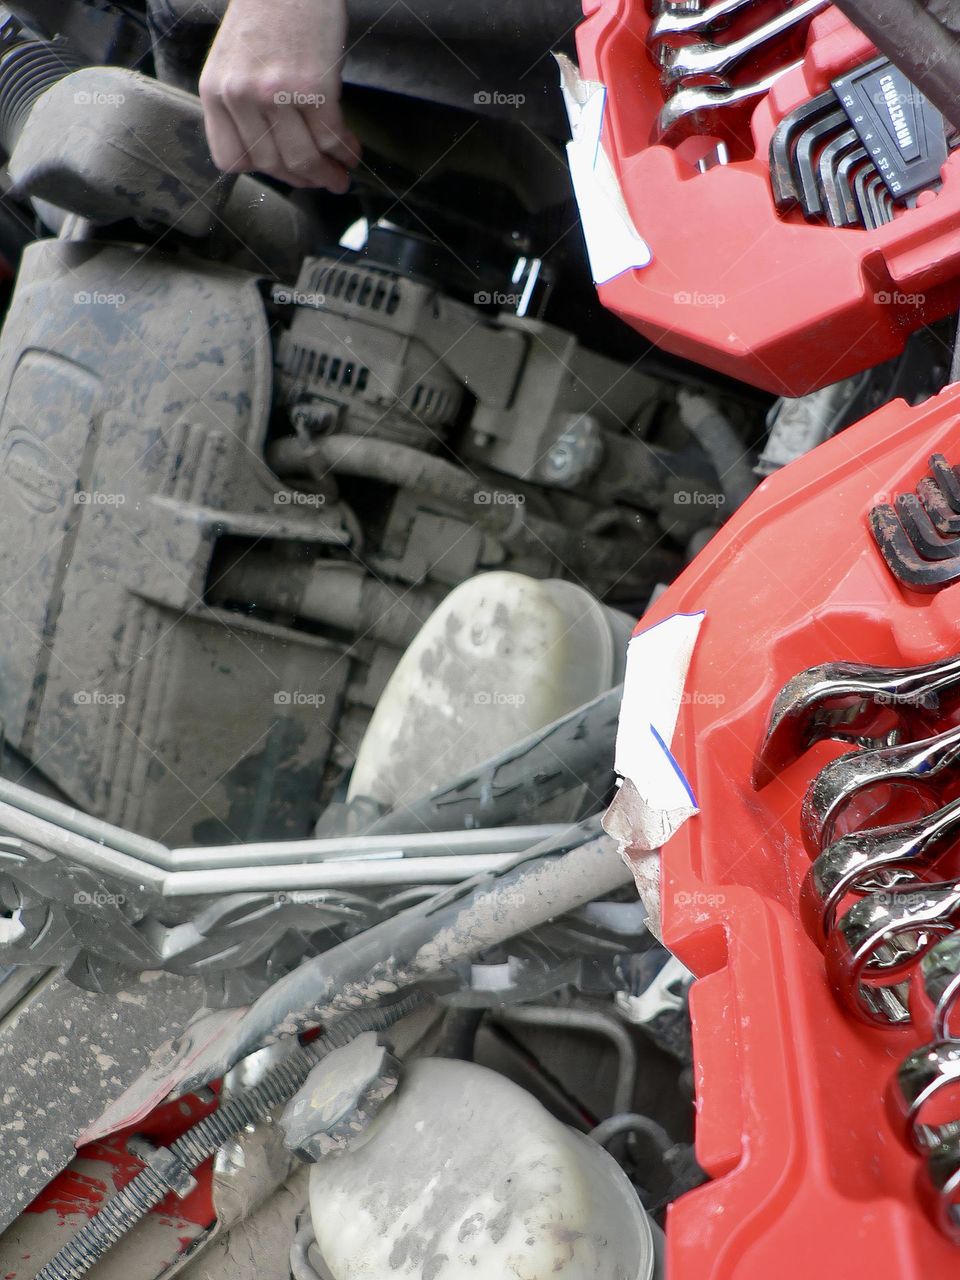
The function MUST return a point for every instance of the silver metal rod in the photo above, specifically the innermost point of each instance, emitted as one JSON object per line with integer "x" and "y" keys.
{"x": 423, "y": 845}
{"x": 70, "y": 819}
{"x": 316, "y": 877}
{"x": 78, "y": 848}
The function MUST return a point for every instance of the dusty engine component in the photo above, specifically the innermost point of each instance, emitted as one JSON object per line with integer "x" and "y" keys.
{"x": 575, "y": 752}
{"x": 518, "y": 1189}
{"x": 106, "y": 904}
{"x": 358, "y": 1082}
{"x": 214, "y": 482}
{"x": 502, "y": 657}
{"x": 128, "y": 450}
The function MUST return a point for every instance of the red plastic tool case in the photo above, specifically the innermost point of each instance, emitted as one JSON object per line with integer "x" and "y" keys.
{"x": 777, "y": 301}
{"x": 809, "y": 1178}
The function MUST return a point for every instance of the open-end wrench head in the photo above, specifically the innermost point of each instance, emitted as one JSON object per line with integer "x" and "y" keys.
{"x": 708, "y": 58}
{"x": 674, "y": 6}
{"x": 672, "y": 22}
{"x": 693, "y": 107}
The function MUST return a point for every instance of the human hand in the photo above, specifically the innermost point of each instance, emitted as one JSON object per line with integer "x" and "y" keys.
{"x": 271, "y": 92}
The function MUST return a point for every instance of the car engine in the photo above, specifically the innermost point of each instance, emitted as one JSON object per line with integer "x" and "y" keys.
{"x": 428, "y": 616}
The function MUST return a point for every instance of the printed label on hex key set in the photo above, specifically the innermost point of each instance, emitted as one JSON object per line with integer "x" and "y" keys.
{"x": 902, "y": 131}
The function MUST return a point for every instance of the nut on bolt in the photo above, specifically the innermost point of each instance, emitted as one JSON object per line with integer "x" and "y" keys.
{"x": 576, "y": 453}
{"x": 339, "y": 1098}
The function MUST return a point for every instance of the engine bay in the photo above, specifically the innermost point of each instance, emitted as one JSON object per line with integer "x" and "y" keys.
{"x": 476, "y": 737}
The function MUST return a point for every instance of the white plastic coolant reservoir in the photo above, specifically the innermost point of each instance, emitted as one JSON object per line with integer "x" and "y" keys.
{"x": 502, "y": 656}
{"x": 464, "y": 1176}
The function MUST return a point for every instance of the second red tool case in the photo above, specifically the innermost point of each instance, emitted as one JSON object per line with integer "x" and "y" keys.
{"x": 763, "y": 296}
{"x": 809, "y": 1178}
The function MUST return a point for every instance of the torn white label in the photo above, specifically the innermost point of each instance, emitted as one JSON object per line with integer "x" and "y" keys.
{"x": 655, "y": 798}
{"x": 613, "y": 243}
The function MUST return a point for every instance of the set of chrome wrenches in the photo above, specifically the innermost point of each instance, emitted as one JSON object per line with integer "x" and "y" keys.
{"x": 700, "y": 69}
{"x": 882, "y": 898}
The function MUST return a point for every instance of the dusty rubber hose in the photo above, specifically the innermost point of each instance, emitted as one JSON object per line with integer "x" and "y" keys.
{"x": 301, "y": 1268}
{"x": 500, "y": 511}
{"x": 576, "y": 750}
{"x": 425, "y": 941}
{"x": 716, "y": 436}
{"x": 632, "y": 1122}
{"x": 592, "y": 1021}
{"x": 177, "y": 1161}
{"x": 331, "y": 593}
{"x": 27, "y": 69}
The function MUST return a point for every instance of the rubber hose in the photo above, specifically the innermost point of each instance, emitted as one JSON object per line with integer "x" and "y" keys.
{"x": 717, "y": 437}
{"x": 632, "y": 1122}
{"x": 563, "y": 873}
{"x": 27, "y": 69}
{"x": 190, "y": 1150}
{"x": 593, "y": 1022}
{"x": 301, "y": 1268}
{"x": 576, "y": 750}
{"x": 499, "y": 510}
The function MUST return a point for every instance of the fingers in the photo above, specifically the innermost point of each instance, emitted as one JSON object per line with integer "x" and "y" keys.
{"x": 283, "y": 140}
{"x": 306, "y": 163}
{"x": 226, "y": 146}
{"x": 255, "y": 133}
{"x": 270, "y": 92}
{"x": 332, "y": 137}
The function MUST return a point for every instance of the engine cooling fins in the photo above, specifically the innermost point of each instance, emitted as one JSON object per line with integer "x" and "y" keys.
{"x": 918, "y": 535}
{"x": 849, "y": 155}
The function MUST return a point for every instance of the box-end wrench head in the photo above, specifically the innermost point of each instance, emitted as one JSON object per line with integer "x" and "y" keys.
{"x": 927, "y": 1075}
{"x": 843, "y": 700}
{"x": 940, "y": 989}
{"x": 864, "y": 861}
{"x": 929, "y": 761}
{"x": 883, "y": 937}
{"x": 689, "y": 110}
{"x": 938, "y": 1188}
{"x": 671, "y": 23}
{"x": 707, "y": 59}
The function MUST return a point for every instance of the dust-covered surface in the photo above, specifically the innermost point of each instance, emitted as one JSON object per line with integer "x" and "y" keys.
{"x": 463, "y": 1174}
{"x": 65, "y": 1055}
